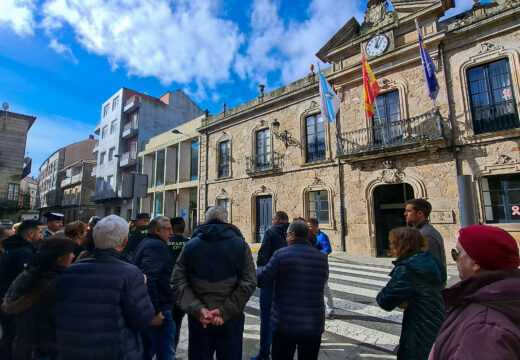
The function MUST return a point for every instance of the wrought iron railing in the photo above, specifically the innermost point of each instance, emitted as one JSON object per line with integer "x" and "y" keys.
{"x": 315, "y": 151}
{"x": 263, "y": 162}
{"x": 392, "y": 134}
{"x": 490, "y": 118}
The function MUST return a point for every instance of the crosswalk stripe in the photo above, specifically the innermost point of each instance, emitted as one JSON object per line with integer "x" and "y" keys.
{"x": 360, "y": 267}
{"x": 368, "y": 310}
{"x": 355, "y": 290}
{"x": 359, "y": 272}
{"x": 358, "y": 279}
{"x": 349, "y": 330}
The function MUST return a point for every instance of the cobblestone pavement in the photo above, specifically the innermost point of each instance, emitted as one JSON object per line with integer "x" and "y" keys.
{"x": 360, "y": 331}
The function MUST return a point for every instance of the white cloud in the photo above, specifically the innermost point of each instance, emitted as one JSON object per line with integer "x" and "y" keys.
{"x": 460, "y": 6}
{"x": 291, "y": 46}
{"x": 18, "y": 14}
{"x": 183, "y": 41}
{"x": 62, "y": 49}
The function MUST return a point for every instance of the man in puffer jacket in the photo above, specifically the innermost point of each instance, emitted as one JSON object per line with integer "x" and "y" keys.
{"x": 483, "y": 319}
{"x": 274, "y": 239}
{"x": 298, "y": 273}
{"x": 102, "y": 301}
{"x": 213, "y": 279}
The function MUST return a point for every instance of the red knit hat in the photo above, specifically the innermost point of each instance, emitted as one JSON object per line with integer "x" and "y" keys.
{"x": 490, "y": 247}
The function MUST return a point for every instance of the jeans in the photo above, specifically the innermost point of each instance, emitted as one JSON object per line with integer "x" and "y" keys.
{"x": 329, "y": 303}
{"x": 284, "y": 347}
{"x": 266, "y": 326}
{"x": 225, "y": 340}
{"x": 159, "y": 340}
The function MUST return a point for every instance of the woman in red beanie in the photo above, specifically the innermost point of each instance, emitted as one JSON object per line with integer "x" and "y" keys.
{"x": 415, "y": 286}
{"x": 483, "y": 320}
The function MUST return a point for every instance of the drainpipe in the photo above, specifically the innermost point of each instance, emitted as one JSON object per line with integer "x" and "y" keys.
{"x": 341, "y": 184}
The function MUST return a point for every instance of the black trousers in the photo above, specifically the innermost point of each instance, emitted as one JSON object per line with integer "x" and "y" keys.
{"x": 8, "y": 335}
{"x": 284, "y": 347}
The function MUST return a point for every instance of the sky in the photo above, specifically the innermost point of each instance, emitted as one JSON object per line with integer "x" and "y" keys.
{"x": 61, "y": 59}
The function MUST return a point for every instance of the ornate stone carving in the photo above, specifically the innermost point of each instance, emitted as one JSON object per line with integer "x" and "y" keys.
{"x": 377, "y": 16}
{"x": 389, "y": 175}
{"x": 485, "y": 47}
{"x": 313, "y": 105}
{"x": 317, "y": 181}
{"x": 504, "y": 159}
{"x": 223, "y": 194}
{"x": 441, "y": 217}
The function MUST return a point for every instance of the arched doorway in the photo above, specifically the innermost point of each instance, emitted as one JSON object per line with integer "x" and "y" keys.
{"x": 389, "y": 204}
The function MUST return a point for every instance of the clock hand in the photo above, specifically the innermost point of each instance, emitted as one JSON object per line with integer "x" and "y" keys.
{"x": 377, "y": 43}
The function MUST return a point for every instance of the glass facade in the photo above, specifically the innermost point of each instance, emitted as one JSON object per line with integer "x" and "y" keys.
{"x": 194, "y": 161}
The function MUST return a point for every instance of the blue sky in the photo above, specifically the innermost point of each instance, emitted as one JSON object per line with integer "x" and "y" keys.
{"x": 61, "y": 59}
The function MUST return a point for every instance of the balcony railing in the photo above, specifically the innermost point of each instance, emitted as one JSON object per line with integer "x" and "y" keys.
{"x": 392, "y": 136}
{"x": 103, "y": 194}
{"x": 132, "y": 103}
{"x": 65, "y": 182}
{"x": 265, "y": 162}
{"x": 127, "y": 159}
{"x": 129, "y": 130}
{"x": 490, "y": 118}
{"x": 316, "y": 151}
{"x": 95, "y": 149}
{"x": 76, "y": 178}
{"x": 97, "y": 129}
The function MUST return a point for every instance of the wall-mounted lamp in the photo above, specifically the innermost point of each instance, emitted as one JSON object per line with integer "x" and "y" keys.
{"x": 284, "y": 136}
{"x": 177, "y": 132}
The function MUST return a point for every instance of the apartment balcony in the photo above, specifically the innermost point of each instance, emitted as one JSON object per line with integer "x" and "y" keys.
{"x": 129, "y": 130}
{"x": 95, "y": 149}
{"x": 69, "y": 202}
{"x": 94, "y": 171}
{"x": 263, "y": 163}
{"x": 417, "y": 134}
{"x": 132, "y": 103}
{"x": 127, "y": 159}
{"x": 65, "y": 182}
{"x": 97, "y": 129}
{"x": 103, "y": 195}
{"x": 76, "y": 178}
{"x": 497, "y": 117}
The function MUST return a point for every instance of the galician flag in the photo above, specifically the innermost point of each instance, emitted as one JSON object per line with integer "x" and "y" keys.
{"x": 328, "y": 98}
{"x": 370, "y": 86}
{"x": 428, "y": 68}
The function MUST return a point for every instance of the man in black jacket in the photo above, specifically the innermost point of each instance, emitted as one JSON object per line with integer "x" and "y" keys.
{"x": 299, "y": 273}
{"x": 274, "y": 239}
{"x": 19, "y": 252}
{"x": 142, "y": 220}
{"x": 153, "y": 258}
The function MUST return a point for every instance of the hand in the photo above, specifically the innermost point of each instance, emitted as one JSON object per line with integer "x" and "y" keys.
{"x": 157, "y": 320}
{"x": 403, "y": 305}
{"x": 217, "y": 319}
{"x": 205, "y": 317}
{"x": 145, "y": 279}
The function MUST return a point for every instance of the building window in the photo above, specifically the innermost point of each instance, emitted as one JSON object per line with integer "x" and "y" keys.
{"x": 194, "y": 161}
{"x": 134, "y": 118}
{"x": 223, "y": 159}
{"x": 319, "y": 206}
{"x": 315, "y": 138}
{"x": 263, "y": 149}
{"x": 110, "y": 182}
{"x": 113, "y": 126}
{"x": 133, "y": 150}
{"x": 501, "y": 198}
{"x": 104, "y": 132}
{"x": 159, "y": 176}
{"x": 493, "y": 106}
{"x": 152, "y": 180}
{"x": 13, "y": 191}
{"x": 158, "y": 203}
{"x": 106, "y": 110}
{"x": 115, "y": 103}
{"x": 225, "y": 204}
{"x": 111, "y": 154}
{"x": 387, "y": 126}
{"x": 102, "y": 158}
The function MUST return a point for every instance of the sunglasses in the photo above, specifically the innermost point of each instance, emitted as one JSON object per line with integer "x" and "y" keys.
{"x": 455, "y": 254}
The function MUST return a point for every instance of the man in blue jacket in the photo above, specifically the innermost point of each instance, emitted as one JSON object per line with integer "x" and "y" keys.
{"x": 102, "y": 301}
{"x": 153, "y": 258}
{"x": 298, "y": 273}
{"x": 274, "y": 239}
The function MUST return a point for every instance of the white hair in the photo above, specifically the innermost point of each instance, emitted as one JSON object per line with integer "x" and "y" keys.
{"x": 217, "y": 212}
{"x": 157, "y": 224}
{"x": 110, "y": 232}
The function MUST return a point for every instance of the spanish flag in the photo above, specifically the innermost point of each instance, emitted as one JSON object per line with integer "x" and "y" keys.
{"x": 370, "y": 86}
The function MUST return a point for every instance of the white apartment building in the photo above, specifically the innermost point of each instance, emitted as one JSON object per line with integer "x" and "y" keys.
{"x": 128, "y": 119}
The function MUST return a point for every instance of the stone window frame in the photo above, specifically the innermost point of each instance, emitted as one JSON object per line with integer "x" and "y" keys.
{"x": 320, "y": 186}
{"x": 262, "y": 125}
{"x": 488, "y": 53}
{"x": 313, "y": 109}
{"x": 263, "y": 191}
{"x": 388, "y": 86}
{"x": 224, "y": 195}
{"x": 224, "y": 137}
{"x": 502, "y": 165}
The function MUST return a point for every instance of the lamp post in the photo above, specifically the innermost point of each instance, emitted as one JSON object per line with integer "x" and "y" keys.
{"x": 284, "y": 136}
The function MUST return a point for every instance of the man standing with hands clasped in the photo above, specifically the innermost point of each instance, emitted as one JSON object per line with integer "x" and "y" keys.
{"x": 213, "y": 279}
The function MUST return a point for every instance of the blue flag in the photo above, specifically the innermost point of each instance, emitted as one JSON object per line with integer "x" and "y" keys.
{"x": 429, "y": 70}
{"x": 329, "y": 99}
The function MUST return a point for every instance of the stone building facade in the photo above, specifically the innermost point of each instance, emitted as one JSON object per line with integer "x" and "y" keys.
{"x": 275, "y": 153}
{"x": 77, "y": 185}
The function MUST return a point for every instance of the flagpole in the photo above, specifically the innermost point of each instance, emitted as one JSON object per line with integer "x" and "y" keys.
{"x": 422, "y": 60}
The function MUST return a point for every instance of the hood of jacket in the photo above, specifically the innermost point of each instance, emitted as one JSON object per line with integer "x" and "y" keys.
{"x": 425, "y": 265}
{"x": 16, "y": 241}
{"x": 216, "y": 230}
{"x": 499, "y": 290}
{"x": 281, "y": 229}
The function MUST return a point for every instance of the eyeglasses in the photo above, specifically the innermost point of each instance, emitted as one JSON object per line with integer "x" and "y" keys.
{"x": 455, "y": 254}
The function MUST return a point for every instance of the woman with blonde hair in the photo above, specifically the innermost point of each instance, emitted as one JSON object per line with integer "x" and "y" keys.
{"x": 417, "y": 280}
{"x": 77, "y": 231}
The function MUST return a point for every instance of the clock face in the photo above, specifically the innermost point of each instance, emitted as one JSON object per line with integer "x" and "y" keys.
{"x": 377, "y": 45}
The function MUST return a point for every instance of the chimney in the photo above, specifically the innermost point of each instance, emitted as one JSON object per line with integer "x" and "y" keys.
{"x": 91, "y": 136}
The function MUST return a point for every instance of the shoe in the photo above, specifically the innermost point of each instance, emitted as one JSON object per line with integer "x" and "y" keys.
{"x": 330, "y": 316}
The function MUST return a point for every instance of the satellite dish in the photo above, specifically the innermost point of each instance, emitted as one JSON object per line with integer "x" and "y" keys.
{"x": 5, "y": 106}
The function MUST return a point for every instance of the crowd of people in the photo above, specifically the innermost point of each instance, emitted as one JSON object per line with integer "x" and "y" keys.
{"x": 116, "y": 290}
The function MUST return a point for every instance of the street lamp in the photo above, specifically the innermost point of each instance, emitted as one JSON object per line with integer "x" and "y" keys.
{"x": 284, "y": 136}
